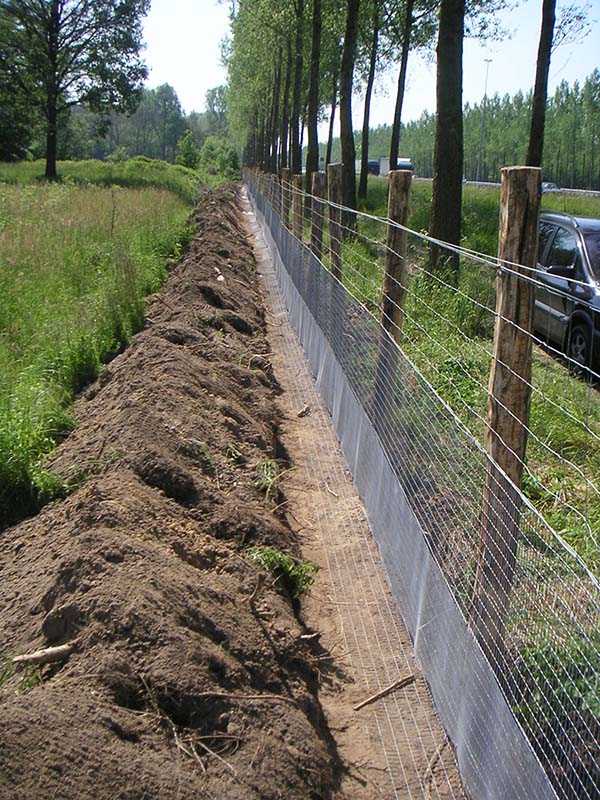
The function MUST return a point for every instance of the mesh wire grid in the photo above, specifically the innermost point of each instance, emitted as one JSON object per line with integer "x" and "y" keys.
{"x": 423, "y": 406}
{"x": 414, "y": 747}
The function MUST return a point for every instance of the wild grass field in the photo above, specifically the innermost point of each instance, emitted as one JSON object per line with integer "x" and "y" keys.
{"x": 76, "y": 261}
{"x": 136, "y": 173}
{"x": 448, "y": 335}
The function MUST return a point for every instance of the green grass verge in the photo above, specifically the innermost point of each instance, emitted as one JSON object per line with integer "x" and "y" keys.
{"x": 137, "y": 173}
{"x": 449, "y": 338}
{"x": 75, "y": 264}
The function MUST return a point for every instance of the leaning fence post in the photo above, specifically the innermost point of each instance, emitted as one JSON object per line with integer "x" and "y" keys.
{"x": 394, "y": 292}
{"x": 508, "y": 406}
{"x": 334, "y": 195}
{"x": 317, "y": 213}
{"x": 297, "y": 206}
{"x": 285, "y": 195}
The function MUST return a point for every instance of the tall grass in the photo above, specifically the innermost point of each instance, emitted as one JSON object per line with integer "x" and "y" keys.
{"x": 448, "y": 335}
{"x": 75, "y": 264}
{"x": 136, "y": 173}
{"x": 480, "y": 209}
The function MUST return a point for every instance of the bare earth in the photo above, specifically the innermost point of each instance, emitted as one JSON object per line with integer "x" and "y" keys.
{"x": 192, "y": 673}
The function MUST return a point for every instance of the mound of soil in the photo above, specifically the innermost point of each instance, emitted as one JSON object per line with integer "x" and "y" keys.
{"x": 188, "y": 675}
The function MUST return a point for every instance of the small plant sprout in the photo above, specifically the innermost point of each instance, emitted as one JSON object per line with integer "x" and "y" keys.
{"x": 295, "y": 576}
{"x": 267, "y": 478}
{"x": 234, "y": 454}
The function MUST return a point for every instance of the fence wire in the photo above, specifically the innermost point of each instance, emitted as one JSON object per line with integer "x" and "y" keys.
{"x": 526, "y": 593}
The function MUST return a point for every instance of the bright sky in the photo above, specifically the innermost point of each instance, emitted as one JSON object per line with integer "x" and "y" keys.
{"x": 183, "y": 48}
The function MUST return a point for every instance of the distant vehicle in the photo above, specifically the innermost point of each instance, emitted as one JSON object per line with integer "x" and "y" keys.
{"x": 405, "y": 163}
{"x": 373, "y": 167}
{"x": 548, "y": 186}
{"x": 567, "y": 301}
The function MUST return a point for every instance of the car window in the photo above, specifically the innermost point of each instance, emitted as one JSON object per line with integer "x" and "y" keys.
{"x": 563, "y": 252}
{"x": 592, "y": 241}
{"x": 546, "y": 231}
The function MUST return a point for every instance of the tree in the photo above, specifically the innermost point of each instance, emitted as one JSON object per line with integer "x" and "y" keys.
{"x": 312, "y": 153}
{"x": 65, "y": 52}
{"x": 15, "y": 118}
{"x": 448, "y": 154}
{"x": 572, "y": 24}
{"x": 188, "y": 155}
{"x": 216, "y": 111}
{"x": 540, "y": 92}
{"x": 168, "y": 120}
{"x": 346, "y": 132}
{"x": 364, "y": 142}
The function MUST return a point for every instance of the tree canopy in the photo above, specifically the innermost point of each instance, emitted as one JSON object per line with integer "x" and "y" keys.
{"x": 65, "y": 52}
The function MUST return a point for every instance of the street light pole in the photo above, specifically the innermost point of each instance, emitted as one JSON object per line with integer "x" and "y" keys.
{"x": 488, "y": 61}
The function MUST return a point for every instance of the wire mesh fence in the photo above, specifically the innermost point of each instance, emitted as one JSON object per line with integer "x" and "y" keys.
{"x": 509, "y": 616}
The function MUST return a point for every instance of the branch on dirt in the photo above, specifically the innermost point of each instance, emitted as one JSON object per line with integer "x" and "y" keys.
{"x": 47, "y": 656}
{"x": 405, "y": 681}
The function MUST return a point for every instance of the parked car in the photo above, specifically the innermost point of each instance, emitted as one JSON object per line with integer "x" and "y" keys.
{"x": 567, "y": 301}
{"x": 548, "y": 186}
{"x": 373, "y": 167}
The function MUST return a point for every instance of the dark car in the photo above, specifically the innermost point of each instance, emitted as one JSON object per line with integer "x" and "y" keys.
{"x": 567, "y": 300}
{"x": 373, "y": 167}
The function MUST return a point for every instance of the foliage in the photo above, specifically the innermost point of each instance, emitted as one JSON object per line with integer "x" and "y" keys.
{"x": 555, "y": 681}
{"x": 447, "y": 335}
{"x": 15, "y": 115}
{"x": 295, "y": 576}
{"x": 218, "y": 157}
{"x": 63, "y": 52}
{"x": 76, "y": 262}
{"x": 135, "y": 173}
{"x": 570, "y": 141}
{"x": 267, "y": 478}
{"x": 188, "y": 155}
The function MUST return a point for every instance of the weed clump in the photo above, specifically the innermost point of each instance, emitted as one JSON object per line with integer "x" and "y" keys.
{"x": 295, "y": 576}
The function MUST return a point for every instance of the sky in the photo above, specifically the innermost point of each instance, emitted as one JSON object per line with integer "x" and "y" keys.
{"x": 183, "y": 39}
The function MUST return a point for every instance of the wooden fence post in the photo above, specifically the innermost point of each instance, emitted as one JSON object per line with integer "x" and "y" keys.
{"x": 394, "y": 292}
{"x": 508, "y": 407}
{"x": 396, "y": 268}
{"x": 334, "y": 195}
{"x": 285, "y": 195}
{"x": 277, "y": 193}
{"x": 297, "y": 206}
{"x": 317, "y": 213}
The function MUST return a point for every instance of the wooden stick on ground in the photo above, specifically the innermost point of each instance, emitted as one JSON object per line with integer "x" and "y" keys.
{"x": 399, "y": 684}
{"x": 48, "y": 656}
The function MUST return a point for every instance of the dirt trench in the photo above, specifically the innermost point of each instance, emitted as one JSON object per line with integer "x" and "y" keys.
{"x": 191, "y": 673}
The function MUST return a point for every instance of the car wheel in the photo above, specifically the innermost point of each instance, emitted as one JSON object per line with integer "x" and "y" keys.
{"x": 580, "y": 346}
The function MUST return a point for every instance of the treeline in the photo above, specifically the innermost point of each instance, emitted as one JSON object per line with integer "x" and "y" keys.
{"x": 157, "y": 129}
{"x": 72, "y": 87}
{"x": 501, "y": 126}
{"x": 315, "y": 56}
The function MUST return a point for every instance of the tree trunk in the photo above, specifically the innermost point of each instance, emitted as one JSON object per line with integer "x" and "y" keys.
{"x": 52, "y": 91}
{"x": 275, "y": 116}
{"x": 285, "y": 115}
{"x": 364, "y": 153}
{"x": 395, "y": 143}
{"x": 346, "y": 132}
{"x": 331, "y": 120}
{"x": 448, "y": 153}
{"x": 51, "y": 138}
{"x": 540, "y": 92}
{"x": 296, "y": 148}
{"x": 312, "y": 153}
